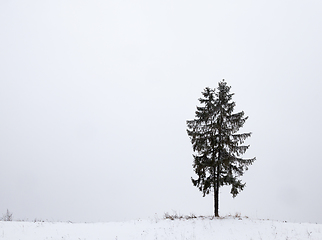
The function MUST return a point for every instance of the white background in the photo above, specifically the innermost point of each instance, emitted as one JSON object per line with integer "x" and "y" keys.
{"x": 94, "y": 98}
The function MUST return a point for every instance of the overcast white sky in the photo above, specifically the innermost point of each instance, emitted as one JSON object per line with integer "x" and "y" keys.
{"x": 94, "y": 98}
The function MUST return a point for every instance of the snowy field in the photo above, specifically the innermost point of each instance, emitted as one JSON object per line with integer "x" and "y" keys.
{"x": 227, "y": 228}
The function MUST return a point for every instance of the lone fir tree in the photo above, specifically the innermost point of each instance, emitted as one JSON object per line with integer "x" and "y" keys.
{"x": 217, "y": 145}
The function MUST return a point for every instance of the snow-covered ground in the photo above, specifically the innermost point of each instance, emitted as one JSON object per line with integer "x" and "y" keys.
{"x": 227, "y": 228}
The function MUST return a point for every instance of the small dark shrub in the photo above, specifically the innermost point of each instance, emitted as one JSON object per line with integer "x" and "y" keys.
{"x": 7, "y": 216}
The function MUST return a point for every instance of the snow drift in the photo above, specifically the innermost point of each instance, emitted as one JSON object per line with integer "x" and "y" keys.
{"x": 199, "y": 228}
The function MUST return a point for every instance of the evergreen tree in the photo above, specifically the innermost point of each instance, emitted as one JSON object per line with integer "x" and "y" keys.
{"x": 217, "y": 144}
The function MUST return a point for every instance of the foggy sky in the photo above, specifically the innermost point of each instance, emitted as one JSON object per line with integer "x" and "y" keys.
{"x": 94, "y": 98}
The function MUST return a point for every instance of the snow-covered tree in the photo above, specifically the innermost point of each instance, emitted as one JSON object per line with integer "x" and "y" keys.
{"x": 217, "y": 144}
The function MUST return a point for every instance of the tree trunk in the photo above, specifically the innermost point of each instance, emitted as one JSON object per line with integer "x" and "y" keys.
{"x": 216, "y": 197}
{"x": 216, "y": 203}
